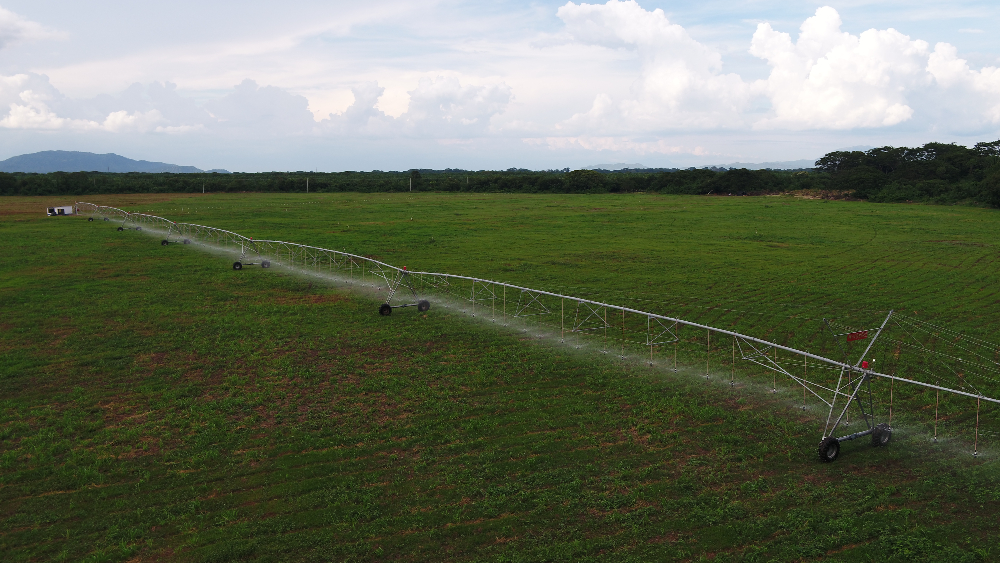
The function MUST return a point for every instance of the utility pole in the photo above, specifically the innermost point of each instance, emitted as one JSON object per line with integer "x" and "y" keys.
{"x": 411, "y": 183}
{"x": 307, "y": 185}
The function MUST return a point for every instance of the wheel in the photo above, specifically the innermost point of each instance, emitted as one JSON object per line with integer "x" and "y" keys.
{"x": 186, "y": 241}
{"x": 164, "y": 242}
{"x": 121, "y": 228}
{"x": 237, "y": 266}
{"x": 385, "y": 310}
{"x": 138, "y": 228}
{"x": 105, "y": 218}
{"x": 881, "y": 435}
{"x": 90, "y": 218}
{"x": 265, "y": 263}
{"x": 829, "y": 449}
{"x": 423, "y": 306}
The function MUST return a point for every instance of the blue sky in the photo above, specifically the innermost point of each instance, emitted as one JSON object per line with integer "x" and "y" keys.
{"x": 395, "y": 85}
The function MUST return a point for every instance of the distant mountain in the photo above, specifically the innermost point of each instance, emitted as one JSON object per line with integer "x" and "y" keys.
{"x": 619, "y": 166}
{"x": 785, "y": 165}
{"x": 73, "y": 161}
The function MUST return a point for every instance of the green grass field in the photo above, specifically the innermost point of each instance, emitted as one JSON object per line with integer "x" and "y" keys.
{"x": 157, "y": 405}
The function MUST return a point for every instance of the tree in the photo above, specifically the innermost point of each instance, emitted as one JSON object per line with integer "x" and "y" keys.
{"x": 886, "y": 159}
{"x": 416, "y": 180}
{"x": 987, "y": 149}
{"x": 839, "y": 161}
{"x": 583, "y": 181}
{"x": 990, "y": 187}
{"x": 741, "y": 180}
{"x": 864, "y": 181}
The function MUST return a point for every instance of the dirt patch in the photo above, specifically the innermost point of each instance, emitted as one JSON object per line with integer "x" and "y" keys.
{"x": 959, "y": 242}
{"x": 305, "y": 299}
{"x": 59, "y": 334}
{"x": 672, "y": 537}
{"x": 193, "y": 366}
{"x": 840, "y": 195}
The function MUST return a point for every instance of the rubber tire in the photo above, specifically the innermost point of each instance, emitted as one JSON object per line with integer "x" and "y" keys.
{"x": 828, "y": 449}
{"x": 237, "y": 266}
{"x": 881, "y": 435}
{"x": 423, "y": 306}
{"x": 105, "y": 218}
{"x": 186, "y": 241}
{"x": 385, "y": 310}
{"x": 121, "y": 228}
{"x": 90, "y": 218}
{"x": 265, "y": 263}
{"x": 164, "y": 242}
{"x": 138, "y": 228}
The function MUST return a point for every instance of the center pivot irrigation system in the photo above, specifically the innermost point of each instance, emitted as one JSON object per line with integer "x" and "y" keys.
{"x": 936, "y": 360}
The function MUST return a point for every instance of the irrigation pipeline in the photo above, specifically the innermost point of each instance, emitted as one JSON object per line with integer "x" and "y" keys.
{"x": 530, "y": 302}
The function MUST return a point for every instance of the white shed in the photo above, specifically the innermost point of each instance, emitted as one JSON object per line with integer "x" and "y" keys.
{"x": 64, "y": 210}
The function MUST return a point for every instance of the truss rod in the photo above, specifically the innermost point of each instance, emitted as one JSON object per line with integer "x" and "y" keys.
{"x": 536, "y": 293}
{"x": 844, "y": 365}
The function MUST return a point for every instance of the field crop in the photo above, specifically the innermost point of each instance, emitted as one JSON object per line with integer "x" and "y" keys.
{"x": 158, "y": 405}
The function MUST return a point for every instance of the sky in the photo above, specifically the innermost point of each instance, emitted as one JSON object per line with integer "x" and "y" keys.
{"x": 394, "y": 85}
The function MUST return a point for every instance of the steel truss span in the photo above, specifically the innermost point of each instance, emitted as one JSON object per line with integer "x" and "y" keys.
{"x": 837, "y": 383}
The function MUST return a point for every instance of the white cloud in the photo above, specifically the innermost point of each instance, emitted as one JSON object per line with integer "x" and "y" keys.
{"x": 439, "y": 107}
{"x": 29, "y": 99}
{"x": 680, "y": 84}
{"x": 395, "y": 98}
{"x": 264, "y": 110}
{"x": 323, "y": 103}
{"x": 830, "y": 79}
{"x": 364, "y": 108}
{"x": 13, "y": 87}
{"x": 362, "y": 116}
{"x": 32, "y": 113}
{"x": 15, "y": 29}
{"x": 120, "y": 121}
{"x": 159, "y": 96}
{"x": 444, "y": 103}
{"x": 34, "y": 104}
{"x": 954, "y": 74}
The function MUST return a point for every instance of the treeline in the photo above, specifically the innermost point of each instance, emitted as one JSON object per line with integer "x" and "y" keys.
{"x": 692, "y": 181}
{"x": 936, "y": 172}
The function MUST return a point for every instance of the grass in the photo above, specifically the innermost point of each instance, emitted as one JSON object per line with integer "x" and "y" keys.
{"x": 157, "y": 405}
